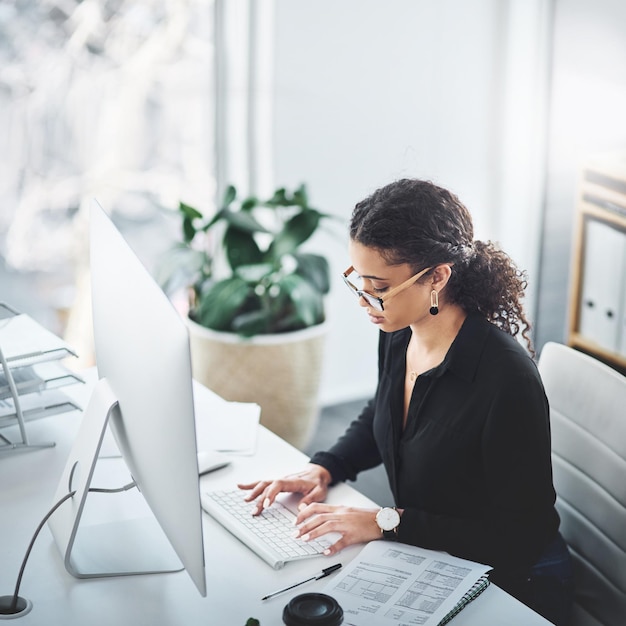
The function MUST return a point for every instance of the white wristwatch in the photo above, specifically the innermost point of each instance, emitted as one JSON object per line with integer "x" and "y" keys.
{"x": 388, "y": 520}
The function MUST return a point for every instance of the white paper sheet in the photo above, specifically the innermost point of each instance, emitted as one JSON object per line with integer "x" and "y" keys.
{"x": 225, "y": 426}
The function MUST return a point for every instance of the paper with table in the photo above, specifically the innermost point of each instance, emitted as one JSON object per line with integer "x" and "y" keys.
{"x": 394, "y": 583}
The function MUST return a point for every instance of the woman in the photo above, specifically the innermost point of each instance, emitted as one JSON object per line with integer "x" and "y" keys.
{"x": 460, "y": 419}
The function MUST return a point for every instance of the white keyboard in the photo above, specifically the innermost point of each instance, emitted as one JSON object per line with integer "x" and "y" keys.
{"x": 268, "y": 534}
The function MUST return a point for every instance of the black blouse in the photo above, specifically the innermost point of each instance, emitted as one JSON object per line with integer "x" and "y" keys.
{"x": 472, "y": 468}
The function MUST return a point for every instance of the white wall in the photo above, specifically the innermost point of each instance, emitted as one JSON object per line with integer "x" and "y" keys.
{"x": 358, "y": 93}
{"x": 366, "y": 92}
{"x": 587, "y": 117}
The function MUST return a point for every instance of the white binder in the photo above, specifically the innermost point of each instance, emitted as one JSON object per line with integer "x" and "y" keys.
{"x": 603, "y": 292}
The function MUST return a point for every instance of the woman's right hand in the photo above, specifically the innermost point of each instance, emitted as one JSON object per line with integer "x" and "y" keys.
{"x": 312, "y": 483}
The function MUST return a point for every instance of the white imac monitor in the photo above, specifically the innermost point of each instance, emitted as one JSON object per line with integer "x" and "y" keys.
{"x": 144, "y": 394}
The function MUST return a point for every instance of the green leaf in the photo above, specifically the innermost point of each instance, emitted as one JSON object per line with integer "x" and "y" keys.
{"x": 243, "y": 221}
{"x": 189, "y": 214}
{"x": 294, "y": 233}
{"x": 253, "y": 622}
{"x": 230, "y": 194}
{"x": 241, "y": 248}
{"x": 221, "y": 302}
{"x": 308, "y": 304}
{"x": 300, "y": 196}
{"x": 255, "y": 272}
{"x": 278, "y": 199}
{"x": 189, "y": 211}
{"x": 179, "y": 267}
{"x": 252, "y": 323}
{"x": 315, "y": 269}
{"x": 249, "y": 203}
{"x": 189, "y": 231}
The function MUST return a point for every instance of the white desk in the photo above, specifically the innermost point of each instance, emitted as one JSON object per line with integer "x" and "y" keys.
{"x": 236, "y": 577}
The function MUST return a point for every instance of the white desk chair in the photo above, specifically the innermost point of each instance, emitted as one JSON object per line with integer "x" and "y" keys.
{"x": 588, "y": 419}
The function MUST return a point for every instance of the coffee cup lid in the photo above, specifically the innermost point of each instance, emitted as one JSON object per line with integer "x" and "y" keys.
{"x": 312, "y": 609}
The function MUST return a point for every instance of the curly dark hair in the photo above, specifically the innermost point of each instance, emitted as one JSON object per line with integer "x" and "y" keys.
{"x": 416, "y": 222}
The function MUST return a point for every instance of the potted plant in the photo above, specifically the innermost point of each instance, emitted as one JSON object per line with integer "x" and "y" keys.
{"x": 256, "y": 306}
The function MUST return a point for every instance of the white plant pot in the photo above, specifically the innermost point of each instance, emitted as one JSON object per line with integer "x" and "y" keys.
{"x": 279, "y": 372}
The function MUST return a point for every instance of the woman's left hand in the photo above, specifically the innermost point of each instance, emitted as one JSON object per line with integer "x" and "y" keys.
{"x": 355, "y": 525}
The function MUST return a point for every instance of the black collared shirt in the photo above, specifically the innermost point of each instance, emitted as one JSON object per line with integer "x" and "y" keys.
{"x": 472, "y": 467}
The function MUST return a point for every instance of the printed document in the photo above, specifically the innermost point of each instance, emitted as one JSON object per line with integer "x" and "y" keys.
{"x": 394, "y": 583}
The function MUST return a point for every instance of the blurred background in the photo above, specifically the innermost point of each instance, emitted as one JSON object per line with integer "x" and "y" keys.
{"x": 144, "y": 103}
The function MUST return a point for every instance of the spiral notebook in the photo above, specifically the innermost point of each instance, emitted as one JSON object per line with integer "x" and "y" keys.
{"x": 477, "y": 588}
{"x": 395, "y": 583}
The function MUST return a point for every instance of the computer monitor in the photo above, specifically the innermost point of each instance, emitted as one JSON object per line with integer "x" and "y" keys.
{"x": 144, "y": 394}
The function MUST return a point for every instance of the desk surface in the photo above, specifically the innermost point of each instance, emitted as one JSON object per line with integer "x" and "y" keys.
{"x": 236, "y": 577}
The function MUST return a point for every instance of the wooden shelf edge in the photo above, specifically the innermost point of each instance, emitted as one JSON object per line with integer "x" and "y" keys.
{"x": 618, "y": 361}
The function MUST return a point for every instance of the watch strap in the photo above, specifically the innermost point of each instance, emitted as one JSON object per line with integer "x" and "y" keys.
{"x": 390, "y": 535}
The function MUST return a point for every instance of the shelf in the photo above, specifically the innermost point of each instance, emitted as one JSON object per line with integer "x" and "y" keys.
{"x": 36, "y": 406}
{"x": 597, "y": 322}
{"x": 38, "y": 377}
{"x": 31, "y": 376}
{"x": 617, "y": 361}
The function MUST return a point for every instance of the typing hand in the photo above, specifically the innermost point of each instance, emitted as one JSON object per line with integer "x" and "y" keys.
{"x": 355, "y": 525}
{"x": 312, "y": 482}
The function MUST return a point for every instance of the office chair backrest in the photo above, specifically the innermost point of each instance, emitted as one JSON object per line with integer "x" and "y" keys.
{"x": 588, "y": 420}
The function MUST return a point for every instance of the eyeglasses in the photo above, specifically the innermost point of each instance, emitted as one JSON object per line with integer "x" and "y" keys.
{"x": 373, "y": 300}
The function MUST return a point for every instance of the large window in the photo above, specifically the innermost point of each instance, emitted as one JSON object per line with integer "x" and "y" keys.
{"x": 100, "y": 98}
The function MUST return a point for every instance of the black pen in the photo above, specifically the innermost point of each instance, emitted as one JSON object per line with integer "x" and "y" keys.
{"x": 325, "y": 572}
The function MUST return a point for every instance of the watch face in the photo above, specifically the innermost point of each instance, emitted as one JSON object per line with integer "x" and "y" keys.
{"x": 387, "y": 518}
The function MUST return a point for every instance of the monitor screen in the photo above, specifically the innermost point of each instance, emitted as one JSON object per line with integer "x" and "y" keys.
{"x": 144, "y": 395}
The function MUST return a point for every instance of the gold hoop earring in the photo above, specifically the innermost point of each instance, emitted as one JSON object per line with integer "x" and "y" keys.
{"x": 434, "y": 302}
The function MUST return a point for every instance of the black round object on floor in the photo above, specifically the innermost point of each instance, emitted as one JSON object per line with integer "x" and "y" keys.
{"x": 312, "y": 609}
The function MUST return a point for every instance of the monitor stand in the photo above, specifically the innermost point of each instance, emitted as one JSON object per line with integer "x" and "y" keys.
{"x": 121, "y": 547}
